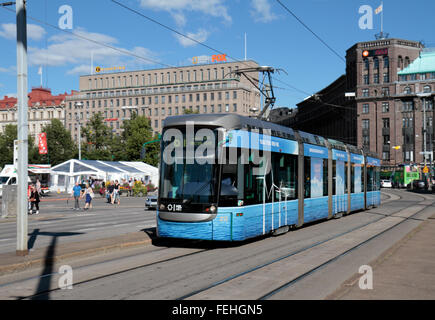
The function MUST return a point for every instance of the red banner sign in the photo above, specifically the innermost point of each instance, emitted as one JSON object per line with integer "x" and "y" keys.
{"x": 42, "y": 137}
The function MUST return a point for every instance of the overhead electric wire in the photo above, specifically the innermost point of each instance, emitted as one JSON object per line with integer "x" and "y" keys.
{"x": 310, "y": 30}
{"x": 123, "y": 51}
{"x": 196, "y": 41}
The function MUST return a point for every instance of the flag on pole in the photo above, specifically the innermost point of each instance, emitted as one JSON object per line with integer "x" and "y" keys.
{"x": 40, "y": 70}
{"x": 379, "y": 9}
{"x": 42, "y": 137}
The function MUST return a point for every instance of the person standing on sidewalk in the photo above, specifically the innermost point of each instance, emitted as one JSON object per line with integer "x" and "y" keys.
{"x": 116, "y": 190}
{"x": 76, "y": 193}
{"x": 89, "y": 195}
{"x": 34, "y": 200}
{"x": 38, "y": 187}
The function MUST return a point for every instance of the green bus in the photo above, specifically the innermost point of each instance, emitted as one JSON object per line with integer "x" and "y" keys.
{"x": 405, "y": 175}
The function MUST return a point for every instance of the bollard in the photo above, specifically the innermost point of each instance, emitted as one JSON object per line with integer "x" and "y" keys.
{"x": 9, "y": 201}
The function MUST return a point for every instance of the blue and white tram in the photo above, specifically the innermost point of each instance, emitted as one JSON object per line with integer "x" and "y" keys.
{"x": 228, "y": 177}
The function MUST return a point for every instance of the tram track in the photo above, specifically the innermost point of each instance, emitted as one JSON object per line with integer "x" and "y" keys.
{"x": 305, "y": 249}
{"x": 215, "y": 284}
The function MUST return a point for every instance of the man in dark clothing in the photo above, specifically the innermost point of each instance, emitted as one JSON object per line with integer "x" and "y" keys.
{"x": 34, "y": 200}
{"x": 110, "y": 189}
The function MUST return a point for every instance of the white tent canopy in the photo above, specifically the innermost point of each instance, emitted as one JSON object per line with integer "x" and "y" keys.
{"x": 64, "y": 175}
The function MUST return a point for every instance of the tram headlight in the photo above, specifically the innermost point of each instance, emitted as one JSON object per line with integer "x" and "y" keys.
{"x": 212, "y": 209}
{"x": 162, "y": 206}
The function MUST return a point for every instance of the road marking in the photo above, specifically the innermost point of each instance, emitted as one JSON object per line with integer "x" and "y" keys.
{"x": 6, "y": 239}
{"x": 88, "y": 229}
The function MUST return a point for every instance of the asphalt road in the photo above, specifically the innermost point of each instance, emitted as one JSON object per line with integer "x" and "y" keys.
{"x": 307, "y": 263}
{"x": 57, "y": 219}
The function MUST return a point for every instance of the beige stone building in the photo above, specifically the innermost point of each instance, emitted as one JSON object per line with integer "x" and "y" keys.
{"x": 158, "y": 93}
{"x": 43, "y": 107}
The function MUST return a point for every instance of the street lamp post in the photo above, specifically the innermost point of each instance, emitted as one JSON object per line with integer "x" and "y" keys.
{"x": 79, "y": 105}
{"x": 424, "y": 96}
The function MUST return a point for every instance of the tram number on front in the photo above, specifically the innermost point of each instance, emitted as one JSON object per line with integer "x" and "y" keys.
{"x": 174, "y": 207}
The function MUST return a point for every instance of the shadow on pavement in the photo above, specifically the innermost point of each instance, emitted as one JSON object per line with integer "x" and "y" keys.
{"x": 44, "y": 285}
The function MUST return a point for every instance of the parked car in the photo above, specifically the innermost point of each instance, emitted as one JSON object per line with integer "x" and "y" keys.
{"x": 418, "y": 185}
{"x": 151, "y": 202}
{"x": 386, "y": 184}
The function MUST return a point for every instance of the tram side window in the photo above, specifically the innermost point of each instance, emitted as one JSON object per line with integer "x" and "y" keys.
{"x": 345, "y": 177}
{"x": 334, "y": 177}
{"x": 377, "y": 178}
{"x": 362, "y": 178}
{"x": 307, "y": 177}
{"x": 284, "y": 168}
{"x": 255, "y": 184}
{"x": 352, "y": 178}
{"x": 325, "y": 177}
{"x": 230, "y": 185}
{"x": 371, "y": 185}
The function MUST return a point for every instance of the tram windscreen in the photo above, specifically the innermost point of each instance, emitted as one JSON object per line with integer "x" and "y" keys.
{"x": 188, "y": 166}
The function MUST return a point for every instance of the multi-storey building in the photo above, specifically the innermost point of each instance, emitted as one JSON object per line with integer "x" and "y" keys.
{"x": 371, "y": 115}
{"x": 43, "y": 107}
{"x": 374, "y": 66}
{"x": 158, "y": 93}
{"x": 414, "y": 104}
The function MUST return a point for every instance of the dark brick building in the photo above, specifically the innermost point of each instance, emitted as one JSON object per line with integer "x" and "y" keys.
{"x": 372, "y": 116}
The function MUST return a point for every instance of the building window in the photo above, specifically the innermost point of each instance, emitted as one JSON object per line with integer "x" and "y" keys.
{"x": 365, "y": 123}
{"x": 386, "y": 77}
{"x": 408, "y": 106}
{"x": 427, "y": 89}
{"x": 365, "y": 92}
{"x": 365, "y": 108}
{"x": 376, "y": 78}
{"x": 385, "y": 92}
{"x": 376, "y": 63}
{"x": 366, "y": 64}
{"x": 386, "y": 62}
{"x": 385, "y": 107}
{"x": 407, "y": 90}
{"x": 386, "y": 122}
{"x": 366, "y": 79}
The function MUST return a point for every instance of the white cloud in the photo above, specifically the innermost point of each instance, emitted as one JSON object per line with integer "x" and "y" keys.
{"x": 9, "y": 31}
{"x": 200, "y": 36}
{"x": 70, "y": 50}
{"x": 213, "y": 8}
{"x": 262, "y": 11}
{"x": 11, "y": 69}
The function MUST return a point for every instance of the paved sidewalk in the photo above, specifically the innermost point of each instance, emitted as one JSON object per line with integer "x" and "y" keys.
{"x": 405, "y": 271}
{"x": 10, "y": 262}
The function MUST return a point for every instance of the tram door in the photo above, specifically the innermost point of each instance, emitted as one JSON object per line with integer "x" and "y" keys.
{"x": 340, "y": 187}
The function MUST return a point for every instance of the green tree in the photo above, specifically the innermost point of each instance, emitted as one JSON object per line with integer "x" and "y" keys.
{"x": 7, "y": 146}
{"x": 98, "y": 139}
{"x": 138, "y": 131}
{"x": 189, "y": 111}
{"x": 60, "y": 145}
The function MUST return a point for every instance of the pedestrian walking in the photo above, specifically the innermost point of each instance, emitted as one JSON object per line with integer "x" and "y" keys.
{"x": 34, "y": 200}
{"x": 76, "y": 193}
{"x": 115, "y": 197}
{"x": 89, "y": 195}
{"x": 38, "y": 187}
{"x": 110, "y": 189}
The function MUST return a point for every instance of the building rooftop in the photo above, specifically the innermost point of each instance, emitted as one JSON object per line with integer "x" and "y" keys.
{"x": 423, "y": 64}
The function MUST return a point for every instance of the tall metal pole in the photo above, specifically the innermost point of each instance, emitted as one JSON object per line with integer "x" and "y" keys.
{"x": 22, "y": 227}
{"x": 80, "y": 143}
{"x": 424, "y": 131}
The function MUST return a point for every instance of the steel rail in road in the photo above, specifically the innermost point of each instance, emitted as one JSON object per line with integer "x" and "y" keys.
{"x": 215, "y": 284}
{"x": 37, "y": 294}
{"x": 321, "y": 266}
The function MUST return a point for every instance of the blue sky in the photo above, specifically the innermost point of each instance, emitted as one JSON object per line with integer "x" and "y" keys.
{"x": 275, "y": 38}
